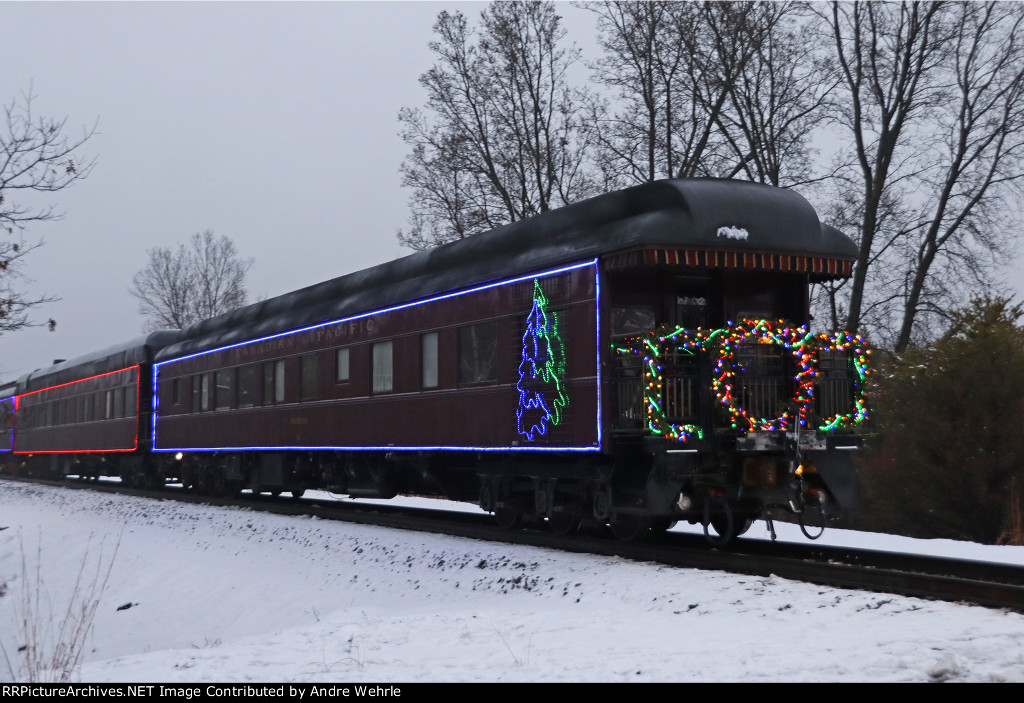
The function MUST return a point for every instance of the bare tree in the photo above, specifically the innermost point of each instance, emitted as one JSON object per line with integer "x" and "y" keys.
{"x": 931, "y": 97}
{"x": 707, "y": 89}
{"x": 193, "y": 282}
{"x": 976, "y": 162}
{"x": 778, "y": 98}
{"x": 644, "y": 64}
{"x": 888, "y": 56}
{"x": 501, "y": 137}
{"x": 36, "y": 156}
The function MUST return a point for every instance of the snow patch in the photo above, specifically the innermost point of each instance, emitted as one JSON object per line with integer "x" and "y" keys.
{"x": 733, "y": 233}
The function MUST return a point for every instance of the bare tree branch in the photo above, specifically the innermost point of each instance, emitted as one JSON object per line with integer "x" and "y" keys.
{"x": 194, "y": 282}
{"x": 36, "y": 156}
{"x": 501, "y": 137}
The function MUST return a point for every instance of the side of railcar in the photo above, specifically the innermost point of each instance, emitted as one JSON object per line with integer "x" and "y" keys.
{"x": 93, "y": 414}
{"x": 402, "y": 398}
{"x": 90, "y": 416}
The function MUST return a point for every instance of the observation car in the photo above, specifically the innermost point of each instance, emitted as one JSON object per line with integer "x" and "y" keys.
{"x": 635, "y": 359}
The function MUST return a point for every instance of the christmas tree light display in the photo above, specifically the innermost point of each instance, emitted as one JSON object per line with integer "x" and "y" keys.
{"x": 541, "y": 386}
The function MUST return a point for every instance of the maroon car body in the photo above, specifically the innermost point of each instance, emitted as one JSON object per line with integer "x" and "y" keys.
{"x": 233, "y": 398}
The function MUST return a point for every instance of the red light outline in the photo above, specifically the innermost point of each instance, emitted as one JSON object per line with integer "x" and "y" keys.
{"x": 81, "y": 380}
{"x": 138, "y": 385}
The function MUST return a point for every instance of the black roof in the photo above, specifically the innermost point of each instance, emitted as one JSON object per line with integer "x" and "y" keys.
{"x": 712, "y": 214}
{"x": 120, "y": 356}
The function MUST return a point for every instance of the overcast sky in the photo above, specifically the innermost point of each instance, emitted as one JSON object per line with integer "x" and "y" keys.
{"x": 272, "y": 123}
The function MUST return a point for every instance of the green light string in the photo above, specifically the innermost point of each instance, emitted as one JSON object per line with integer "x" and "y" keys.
{"x": 854, "y": 345}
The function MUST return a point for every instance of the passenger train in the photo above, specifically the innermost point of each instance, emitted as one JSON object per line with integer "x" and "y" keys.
{"x": 632, "y": 360}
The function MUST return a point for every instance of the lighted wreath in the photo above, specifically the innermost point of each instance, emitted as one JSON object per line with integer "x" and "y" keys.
{"x": 800, "y": 344}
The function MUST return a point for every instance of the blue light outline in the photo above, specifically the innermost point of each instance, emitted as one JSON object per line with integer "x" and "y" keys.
{"x": 13, "y": 397}
{"x": 393, "y": 308}
{"x": 598, "y": 347}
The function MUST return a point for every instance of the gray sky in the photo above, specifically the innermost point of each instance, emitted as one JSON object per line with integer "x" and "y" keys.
{"x": 272, "y": 123}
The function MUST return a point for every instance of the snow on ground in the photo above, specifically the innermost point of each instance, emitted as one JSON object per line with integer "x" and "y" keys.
{"x": 228, "y": 595}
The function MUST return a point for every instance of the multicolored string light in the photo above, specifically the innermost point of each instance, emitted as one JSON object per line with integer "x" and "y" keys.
{"x": 726, "y": 343}
{"x": 653, "y": 347}
{"x": 856, "y": 347}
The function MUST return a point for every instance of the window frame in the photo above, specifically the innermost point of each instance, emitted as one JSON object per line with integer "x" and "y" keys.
{"x": 381, "y": 380}
{"x": 475, "y": 364}
{"x": 429, "y": 361}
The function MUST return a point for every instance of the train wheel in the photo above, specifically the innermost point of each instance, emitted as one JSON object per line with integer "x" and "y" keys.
{"x": 603, "y": 502}
{"x": 203, "y": 482}
{"x": 743, "y": 524}
{"x": 218, "y": 482}
{"x": 661, "y": 525}
{"x": 566, "y": 515}
{"x": 630, "y": 527}
{"x": 722, "y": 522}
{"x": 508, "y": 516}
{"x": 156, "y": 480}
{"x": 298, "y": 493}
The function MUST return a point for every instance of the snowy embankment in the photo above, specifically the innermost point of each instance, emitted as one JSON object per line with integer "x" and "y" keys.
{"x": 228, "y": 595}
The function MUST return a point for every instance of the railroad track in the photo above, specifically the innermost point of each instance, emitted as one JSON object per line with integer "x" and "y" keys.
{"x": 986, "y": 584}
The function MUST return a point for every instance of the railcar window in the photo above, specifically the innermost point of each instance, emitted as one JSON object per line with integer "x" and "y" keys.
{"x": 248, "y": 385}
{"x": 273, "y": 382}
{"x": 279, "y": 386}
{"x": 691, "y": 311}
{"x": 204, "y": 392}
{"x": 268, "y": 382}
{"x": 429, "y": 349}
{"x": 108, "y": 411}
{"x": 130, "y": 400}
{"x": 225, "y": 388}
{"x": 383, "y": 376}
{"x": 753, "y": 306}
{"x": 118, "y": 410}
{"x": 342, "y": 365}
{"x": 478, "y": 353}
{"x": 632, "y": 320}
{"x": 176, "y": 391}
{"x": 309, "y": 377}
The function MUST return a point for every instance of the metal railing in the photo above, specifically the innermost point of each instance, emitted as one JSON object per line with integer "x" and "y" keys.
{"x": 764, "y": 385}
{"x": 764, "y": 380}
{"x": 835, "y": 387}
